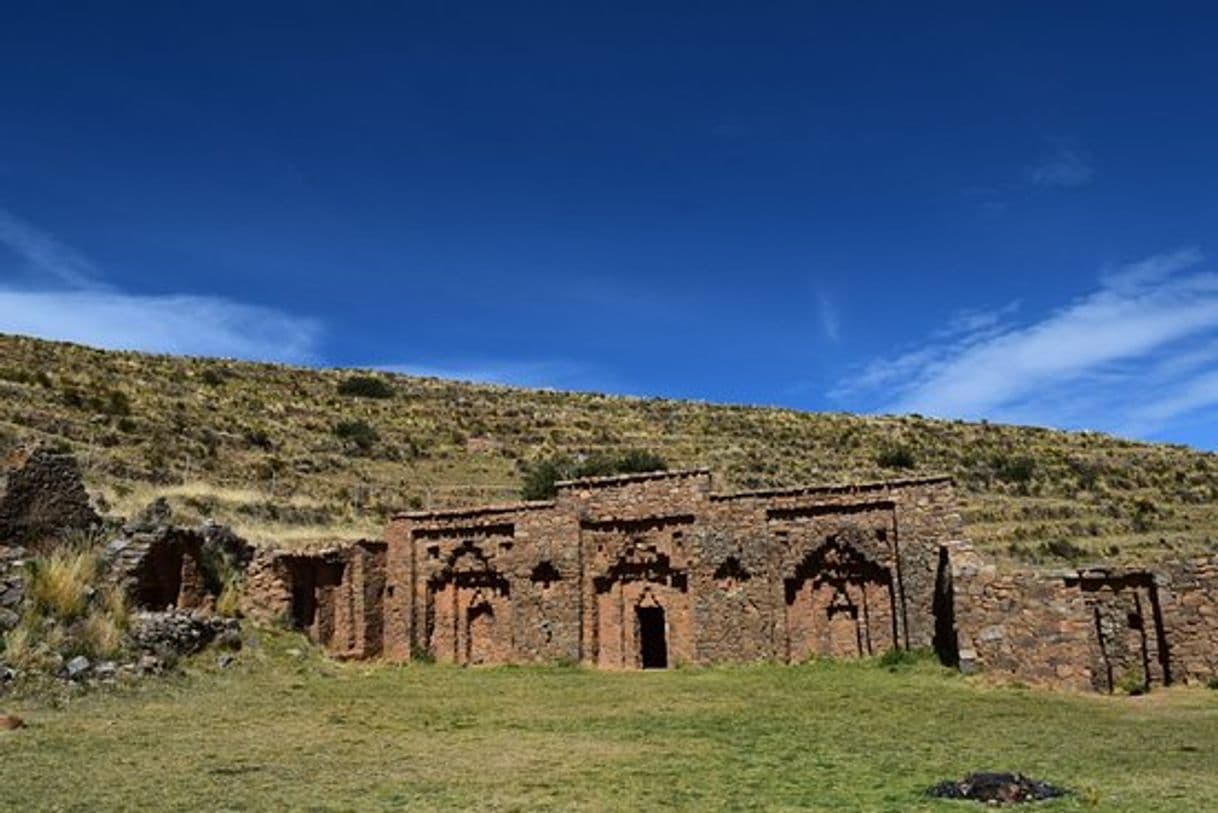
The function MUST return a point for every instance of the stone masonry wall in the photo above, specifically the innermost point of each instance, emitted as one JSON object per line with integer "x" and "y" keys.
{"x": 655, "y": 569}
{"x": 42, "y": 497}
{"x": 1096, "y": 629}
{"x": 1189, "y": 594}
{"x": 335, "y": 595}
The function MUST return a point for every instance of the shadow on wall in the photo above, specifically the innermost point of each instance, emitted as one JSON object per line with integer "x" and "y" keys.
{"x": 946, "y": 641}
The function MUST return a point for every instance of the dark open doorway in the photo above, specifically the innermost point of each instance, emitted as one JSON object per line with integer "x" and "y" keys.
{"x": 653, "y": 642}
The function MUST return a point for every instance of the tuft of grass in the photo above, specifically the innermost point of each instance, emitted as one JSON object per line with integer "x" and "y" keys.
{"x": 60, "y": 585}
{"x": 895, "y": 659}
{"x": 228, "y": 603}
{"x": 69, "y": 610}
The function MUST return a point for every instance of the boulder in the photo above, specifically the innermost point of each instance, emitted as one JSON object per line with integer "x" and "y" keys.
{"x": 77, "y": 667}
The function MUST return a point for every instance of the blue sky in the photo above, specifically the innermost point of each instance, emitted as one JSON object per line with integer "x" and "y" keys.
{"x": 1002, "y": 211}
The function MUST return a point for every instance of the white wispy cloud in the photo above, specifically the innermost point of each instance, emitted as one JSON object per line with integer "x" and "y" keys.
{"x": 43, "y": 255}
{"x": 49, "y": 290}
{"x": 1064, "y": 167}
{"x": 180, "y": 324}
{"x": 533, "y": 374}
{"x": 1131, "y": 356}
{"x": 830, "y": 319}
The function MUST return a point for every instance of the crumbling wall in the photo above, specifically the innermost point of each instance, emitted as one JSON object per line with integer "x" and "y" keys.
{"x": 12, "y": 585}
{"x": 42, "y": 497}
{"x": 164, "y": 565}
{"x": 334, "y": 594}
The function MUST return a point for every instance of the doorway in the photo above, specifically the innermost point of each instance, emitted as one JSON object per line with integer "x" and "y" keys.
{"x": 479, "y": 641}
{"x": 653, "y": 641}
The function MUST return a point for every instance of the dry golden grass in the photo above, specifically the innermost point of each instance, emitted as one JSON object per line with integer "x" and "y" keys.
{"x": 69, "y": 610}
{"x": 61, "y": 584}
{"x": 254, "y": 445}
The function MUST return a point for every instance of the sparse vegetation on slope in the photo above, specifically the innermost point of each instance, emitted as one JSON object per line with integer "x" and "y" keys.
{"x": 258, "y": 445}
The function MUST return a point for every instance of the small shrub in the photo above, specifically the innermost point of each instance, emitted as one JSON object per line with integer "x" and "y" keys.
{"x": 1014, "y": 469}
{"x": 360, "y": 434}
{"x": 258, "y": 438}
{"x": 213, "y": 377}
{"x": 1132, "y": 683}
{"x": 116, "y": 403}
{"x": 1062, "y": 549}
{"x": 1144, "y": 513}
{"x": 540, "y": 481}
{"x": 896, "y": 457}
{"x": 365, "y": 386}
{"x": 640, "y": 460}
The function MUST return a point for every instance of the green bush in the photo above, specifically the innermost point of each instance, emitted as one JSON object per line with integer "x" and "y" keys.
{"x": 639, "y": 460}
{"x": 896, "y": 457}
{"x": 213, "y": 377}
{"x": 540, "y": 480}
{"x": 1062, "y": 549}
{"x": 358, "y": 433}
{"x": 1014, "y": 469}
{"x": 366, "y": 386}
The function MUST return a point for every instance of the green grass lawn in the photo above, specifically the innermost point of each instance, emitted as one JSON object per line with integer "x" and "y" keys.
{"x": 278, "y": 732}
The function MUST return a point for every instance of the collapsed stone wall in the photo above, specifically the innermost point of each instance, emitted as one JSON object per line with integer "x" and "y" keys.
{"x": 42, "y": 498}
{"x": 42, "y": 501}
{"x": 162, "y": 565}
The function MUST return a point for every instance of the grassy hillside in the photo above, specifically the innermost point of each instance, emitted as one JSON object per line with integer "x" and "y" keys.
{"x": 285, "y": 455}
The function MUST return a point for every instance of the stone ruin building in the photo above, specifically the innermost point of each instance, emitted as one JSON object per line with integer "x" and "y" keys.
{"x": 659, "y": 569}
{"x": 655, "y": 570}
{"x": 633, "y": 571}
